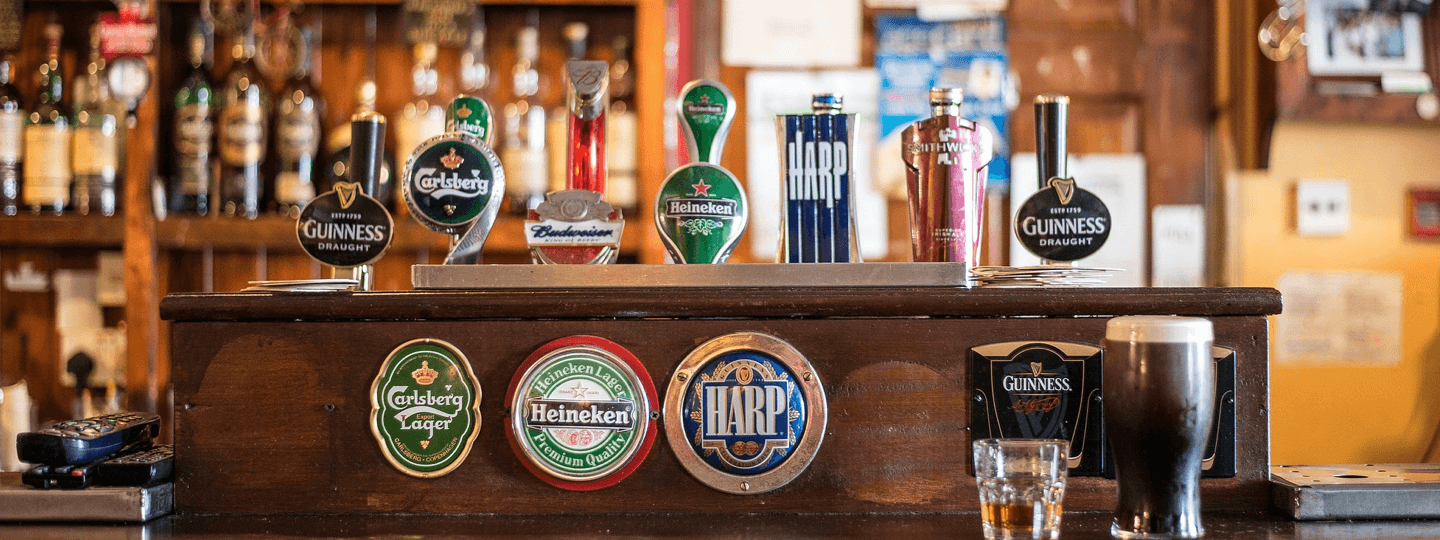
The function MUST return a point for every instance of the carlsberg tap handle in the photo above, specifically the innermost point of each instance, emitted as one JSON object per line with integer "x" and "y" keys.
{"x": 706, "y": 109}
{"x": 1050, "y": 125}
{"x": 470, "y": 114}
{"x": 367, "y": 143}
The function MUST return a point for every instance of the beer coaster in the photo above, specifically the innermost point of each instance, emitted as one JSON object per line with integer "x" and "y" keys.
{"x": 1042, "y": 276}
{"x": 302, "y": 285}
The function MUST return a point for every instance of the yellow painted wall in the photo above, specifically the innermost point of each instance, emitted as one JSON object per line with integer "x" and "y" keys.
{"x": 1333, "y": 413}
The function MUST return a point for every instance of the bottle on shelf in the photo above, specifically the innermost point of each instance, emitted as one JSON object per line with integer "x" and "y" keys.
{"x": 189, "y": 191}
{"x": 95, "y": 150}
{"x": 557, "y": 131}
{"x": 47, "y": 178}
{"x": 474, "y": 71}
{"x": 12, "y": 123}
{"x": 297, "y": 133}
{"x": 524, "y": 152}
{"x": 244, "y": 115}
{"x": 623, "y": 188}
{"x": 424, "y": 116}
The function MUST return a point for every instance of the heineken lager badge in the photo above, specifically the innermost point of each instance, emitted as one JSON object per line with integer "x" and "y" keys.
{"x": 574, "y": 226}
{"x": 425, "y": 408}
{"x": 453, "y": 184}
{"x": 344, "y": 228}
{"x": 582, "y": 413}
{"x": 472, "y": 116}
{"x": 1041, "y": 390}
{"x": 818, "y": 194}
{"x": 1061, "y": 222}
{"x": 745, "y": 413}
{"x": 701, "y": 209}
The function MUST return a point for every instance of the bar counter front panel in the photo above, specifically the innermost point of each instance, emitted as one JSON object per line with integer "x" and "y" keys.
{"x": 272, "y": 405}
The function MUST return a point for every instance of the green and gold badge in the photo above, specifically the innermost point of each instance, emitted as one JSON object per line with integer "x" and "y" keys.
{"x": 425, "y": 408}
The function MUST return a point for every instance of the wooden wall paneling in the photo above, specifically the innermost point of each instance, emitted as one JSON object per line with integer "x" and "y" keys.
{"x": 1084, "y": 15}
{"x": 1095, "y": 126}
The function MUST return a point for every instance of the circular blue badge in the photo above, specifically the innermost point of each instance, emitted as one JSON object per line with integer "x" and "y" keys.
{"x": 744, "y": 412}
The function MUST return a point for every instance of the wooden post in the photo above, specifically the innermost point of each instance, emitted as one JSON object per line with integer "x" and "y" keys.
{"x": 143, "y": 376}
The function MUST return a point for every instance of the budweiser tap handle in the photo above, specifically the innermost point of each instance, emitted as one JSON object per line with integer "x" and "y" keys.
{"x": 587, "y": 96}
{"x": 1050, "y": 125}
{"x": 367, "y": 142}
{"x": 706, "y": 109}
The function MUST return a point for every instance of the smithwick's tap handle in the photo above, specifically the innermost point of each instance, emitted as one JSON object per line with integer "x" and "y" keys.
{"x": 706, "y": 110}
{"x": 587, "y": 96}
{"x": 367, "y": 144}
{"x": 1050, "y": 125}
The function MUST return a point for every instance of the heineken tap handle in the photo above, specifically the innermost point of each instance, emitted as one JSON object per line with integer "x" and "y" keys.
{"x": 367, "y": 144}
{"x": 470, "y": 114}
{"x": 1050, "y": 151}
{"x": 587, "y": 96}
{"x": 706, "y": 109}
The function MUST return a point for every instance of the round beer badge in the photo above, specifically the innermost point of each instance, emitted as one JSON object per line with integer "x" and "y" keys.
{"x": 745, "y": 413}
{"x": 425, "y": 408}
{"x": 451, "y": 180}
{"x": 344, "y": 227}
{"x": 1062, "y": 222}
{"x": 581, "y": 413}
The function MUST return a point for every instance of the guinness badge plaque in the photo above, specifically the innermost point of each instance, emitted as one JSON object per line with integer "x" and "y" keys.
{"x": 425, "y": 408}
{"x": 745, "y": 413}
{"x": 1063, "y": 222}
{"x": 1041, "y": 390}
{"x": 582, "y": 413}
{"x": 344, "y": 227}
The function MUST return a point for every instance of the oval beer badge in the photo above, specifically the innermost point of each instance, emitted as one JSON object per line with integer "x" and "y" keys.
{"x": 1062, "y": 222}
{"x": 581, "y": 413}
{"x": 425, "y": 408}
{"x": 745, "y": 413}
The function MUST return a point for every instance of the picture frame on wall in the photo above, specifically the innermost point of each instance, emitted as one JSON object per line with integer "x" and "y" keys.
{"x": 1346, "y": 38}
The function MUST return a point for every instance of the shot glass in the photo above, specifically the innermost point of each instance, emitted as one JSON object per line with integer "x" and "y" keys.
{"x": 1022, "y": 485}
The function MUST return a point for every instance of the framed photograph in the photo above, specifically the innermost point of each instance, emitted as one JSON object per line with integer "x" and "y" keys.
{"x": 1345, "y": 37}
{"x": 1425, "y": 212}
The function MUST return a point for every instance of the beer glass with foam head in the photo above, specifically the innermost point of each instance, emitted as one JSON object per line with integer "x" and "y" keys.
{"x": 1022, "y": 486}
{"x": 1159, "y": 396}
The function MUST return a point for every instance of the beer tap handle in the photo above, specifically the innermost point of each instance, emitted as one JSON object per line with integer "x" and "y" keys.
{"x": 1050, "y": 126}
{"x": 470, "y": 114}
{"x": 367, "y": 142}
{"x": 706, "y": 110}
{"x": 587, "y": 96}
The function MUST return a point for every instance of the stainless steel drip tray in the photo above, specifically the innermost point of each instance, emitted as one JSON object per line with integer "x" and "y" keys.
{"x": 1368, "y": 491}
{"x": 530, "y": 276}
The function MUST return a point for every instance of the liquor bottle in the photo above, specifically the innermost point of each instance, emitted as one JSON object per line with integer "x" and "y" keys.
{"x": 623, "y": 190}
{"x": 297, "y": 133}
{"x": 524, "y": 154}
{"x": 12, "y": 121}
{"x": 95, "y": 140}
{"x": 557, "y": 129}
{"x": 47, "y": 137}
{"x": 244, "y": 113}
{"x": 474, "y": 72}
{"x": 423, "y": 117}
{"x": 194, "y": 132}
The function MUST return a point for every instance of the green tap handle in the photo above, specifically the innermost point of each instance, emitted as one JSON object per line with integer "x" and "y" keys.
{"x": 706, "y": 108}
{"x": 470, "y": 114}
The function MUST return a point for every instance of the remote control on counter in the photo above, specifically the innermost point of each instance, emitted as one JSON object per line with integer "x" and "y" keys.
{"x": 75, "y": 442}
{"x": 140, "y": 469}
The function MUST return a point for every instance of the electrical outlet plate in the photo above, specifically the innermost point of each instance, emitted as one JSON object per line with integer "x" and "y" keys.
{"x": 1322, "y": 207}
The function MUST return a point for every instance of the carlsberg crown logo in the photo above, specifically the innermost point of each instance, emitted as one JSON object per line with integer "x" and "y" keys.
{"x": 425, "y": 419}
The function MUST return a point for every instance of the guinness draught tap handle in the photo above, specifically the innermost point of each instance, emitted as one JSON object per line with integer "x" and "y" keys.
{"x": 706, "y": 110}
{"x": 1050, "y": 125}
{"x": 367, "y": 142}
{"x": 587, "y": 96}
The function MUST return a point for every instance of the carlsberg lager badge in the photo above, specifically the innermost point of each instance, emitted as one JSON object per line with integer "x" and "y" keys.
{"x": 581, "y": 413}
{"x": 425, "y": 408}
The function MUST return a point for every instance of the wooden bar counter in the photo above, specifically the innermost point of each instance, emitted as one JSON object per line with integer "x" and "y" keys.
{"x": 272, "y": 409}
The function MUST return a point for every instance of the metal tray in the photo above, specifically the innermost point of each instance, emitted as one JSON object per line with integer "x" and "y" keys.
{"x": 531, "y": 276}
{"x": 19, "y": 502}
{"x": 1368, "y": 491}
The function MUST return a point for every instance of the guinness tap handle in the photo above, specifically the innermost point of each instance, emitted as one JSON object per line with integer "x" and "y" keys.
{"x": 706, "y": 109}
{"x": 367, "y": 143}
{"x": 1050, "y": 125}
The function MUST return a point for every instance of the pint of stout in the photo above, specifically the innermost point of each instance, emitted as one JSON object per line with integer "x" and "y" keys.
{"x": 1159, "y": 401}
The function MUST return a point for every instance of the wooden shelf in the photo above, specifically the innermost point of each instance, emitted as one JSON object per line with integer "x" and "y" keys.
{"x": 483, "y": 2}
{"x": 62, "y": 231}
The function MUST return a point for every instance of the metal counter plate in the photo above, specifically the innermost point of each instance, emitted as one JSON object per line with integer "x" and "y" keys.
{"x": 19, "y": 502}
{"x": 1368, "y": 491}
{"x": 530, "y": 276}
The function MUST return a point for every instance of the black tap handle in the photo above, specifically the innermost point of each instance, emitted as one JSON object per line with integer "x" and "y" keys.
{"x": 1050, "y": 150}
{"x": 367, "y": 144}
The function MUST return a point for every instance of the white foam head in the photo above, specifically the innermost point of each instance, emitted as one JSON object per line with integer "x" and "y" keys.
{"x": 1159, "y": 329}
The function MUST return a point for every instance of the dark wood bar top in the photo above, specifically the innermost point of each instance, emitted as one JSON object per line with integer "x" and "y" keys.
{"x": 962, "y": 526}
{"x": 720, "y": 302}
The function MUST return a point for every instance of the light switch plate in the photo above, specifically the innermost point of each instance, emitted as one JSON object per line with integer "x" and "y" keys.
{"x": 1322, "y": 207}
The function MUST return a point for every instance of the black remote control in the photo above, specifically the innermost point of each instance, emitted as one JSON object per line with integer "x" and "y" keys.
{"x": 60, "y": 476}
{"x": 142, "y": 469}
{"x": 75, "y": 442}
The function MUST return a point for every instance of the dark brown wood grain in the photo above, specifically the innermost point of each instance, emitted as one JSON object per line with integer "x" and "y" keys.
{"x": 272, "y": 416}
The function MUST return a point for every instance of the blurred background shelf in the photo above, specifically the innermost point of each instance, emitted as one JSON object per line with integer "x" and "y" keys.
{"x": 62, "y": 231}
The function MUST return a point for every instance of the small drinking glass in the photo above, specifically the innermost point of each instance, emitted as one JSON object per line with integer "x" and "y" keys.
{"x": 1022, "y": 484}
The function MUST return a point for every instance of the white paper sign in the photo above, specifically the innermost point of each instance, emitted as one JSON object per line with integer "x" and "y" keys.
{"x": 1119, "y": 180}
{"x": 1177, "y": 245}
{"x": 1342, "y": 317}
{"x": 769, "y": 93}
{"x": 791, "y": 33}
